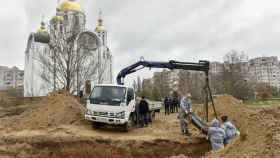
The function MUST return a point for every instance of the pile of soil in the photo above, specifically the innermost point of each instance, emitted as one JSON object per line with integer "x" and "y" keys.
{"x": 6, "y": 100}
{"x": 11, "y": 97}
{"x": 260, "y": 130}
{"x": 58, "y": 108}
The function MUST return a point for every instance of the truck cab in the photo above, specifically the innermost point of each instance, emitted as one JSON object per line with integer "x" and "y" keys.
{"x": 111, "y": 104}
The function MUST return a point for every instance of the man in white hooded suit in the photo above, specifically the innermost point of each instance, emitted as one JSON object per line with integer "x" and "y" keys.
{"x": 185, "y": 114}
{"x": 216, "y": 135}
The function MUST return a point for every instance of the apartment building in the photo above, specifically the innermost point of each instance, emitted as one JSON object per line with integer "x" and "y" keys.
{"x": 216, "y": 67}
{"x": 265, "y": 70}
{"x": 260, "y": 70}
{"x": 11, "y": 77}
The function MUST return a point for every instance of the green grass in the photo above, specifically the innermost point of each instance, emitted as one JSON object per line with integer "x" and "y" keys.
{"x": 264, "y": 103}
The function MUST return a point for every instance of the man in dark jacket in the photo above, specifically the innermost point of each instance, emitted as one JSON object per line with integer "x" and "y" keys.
{"x": 144, "y": 111}
{"x": 167, "y": 105}
{"x": 171, "y": 105}
{"x": 175, "y": 103}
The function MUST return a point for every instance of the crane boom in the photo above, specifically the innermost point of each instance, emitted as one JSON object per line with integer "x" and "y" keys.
{"x": 200, "y": 66}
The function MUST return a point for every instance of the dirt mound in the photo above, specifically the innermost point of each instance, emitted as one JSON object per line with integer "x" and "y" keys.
{"x": 11, "y": 97}
{"x": 228, "y": 105}
{"x": 238, "y": 112}
{"x": 59, "y": 108}
{"x": 260, "y": 130}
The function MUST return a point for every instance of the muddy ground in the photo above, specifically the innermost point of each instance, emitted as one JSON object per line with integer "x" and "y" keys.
{"x": 55, "y": 128}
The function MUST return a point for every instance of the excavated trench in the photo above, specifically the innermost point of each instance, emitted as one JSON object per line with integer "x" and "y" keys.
{"x": 71, "y": 147}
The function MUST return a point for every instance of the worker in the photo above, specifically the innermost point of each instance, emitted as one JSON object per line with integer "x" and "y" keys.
{"x": 144, "y": 111}
{"x": 185, "y": 115}
{"x": 175, "y": 103}
{"x": 230, "y": 130}
{"x": 171, "y": 106}
{"x": 81, "y": 92}
{"x": 216, "y": 134}
{"x": 166, "y": 103}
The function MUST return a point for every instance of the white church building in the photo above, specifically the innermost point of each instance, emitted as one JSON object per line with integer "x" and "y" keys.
{"x": 53, "y": 41}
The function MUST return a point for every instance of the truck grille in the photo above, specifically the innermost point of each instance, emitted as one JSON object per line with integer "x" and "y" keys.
{"x": 104, "y": 114}
{"x": 111, "y": 114}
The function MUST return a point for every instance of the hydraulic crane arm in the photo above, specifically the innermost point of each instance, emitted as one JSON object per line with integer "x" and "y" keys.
{"x": 200, "y": 66}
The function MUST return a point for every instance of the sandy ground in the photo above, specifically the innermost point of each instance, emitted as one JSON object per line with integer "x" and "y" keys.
{"x": 55, "y": 128}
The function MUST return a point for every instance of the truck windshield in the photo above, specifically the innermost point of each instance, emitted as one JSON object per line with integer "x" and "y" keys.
{"x": 107, "y": 95}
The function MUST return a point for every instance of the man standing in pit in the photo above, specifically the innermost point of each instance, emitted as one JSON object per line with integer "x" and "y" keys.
{"x": 230, "y": 130}
{"x": 216, "y": 135}
{"x": 144, "y": 111}
{"x": 185, "y": 114}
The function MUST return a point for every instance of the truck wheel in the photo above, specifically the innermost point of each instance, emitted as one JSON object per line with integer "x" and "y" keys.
{"x": 127, "y": 126}
{"x": 96, "y": 125}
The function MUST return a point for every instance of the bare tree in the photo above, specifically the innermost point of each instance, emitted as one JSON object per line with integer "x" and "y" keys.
{"x": 73, "y": 58}
{"x": 160, "y": 83}
{"x": 215, "y": 83}
{"x": 146, "y": 88}
{"x": 184, "y": 82}
{"x": 264, "y": 91}
{"x": 235, "y": 75}
{"x": 234, "y": 57}
{"x": 191, "y": 82}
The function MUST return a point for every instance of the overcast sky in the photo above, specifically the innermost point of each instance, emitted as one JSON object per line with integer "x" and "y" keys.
{"x": 185, "y": 30}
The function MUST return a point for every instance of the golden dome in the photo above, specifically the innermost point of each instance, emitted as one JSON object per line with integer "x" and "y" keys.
{"x": 70, "y": 5}
{"x": 58, "y": 18}
{"x": 42, "y": 28}
{"x": 100, "y": 27}
{"x": 42, "y": 34}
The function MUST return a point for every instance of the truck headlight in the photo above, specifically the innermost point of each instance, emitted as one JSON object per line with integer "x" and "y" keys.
{"x": 120, "y": 115}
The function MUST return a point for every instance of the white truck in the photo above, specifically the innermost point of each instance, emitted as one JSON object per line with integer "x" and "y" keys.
{"x": 115, "y": 105}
